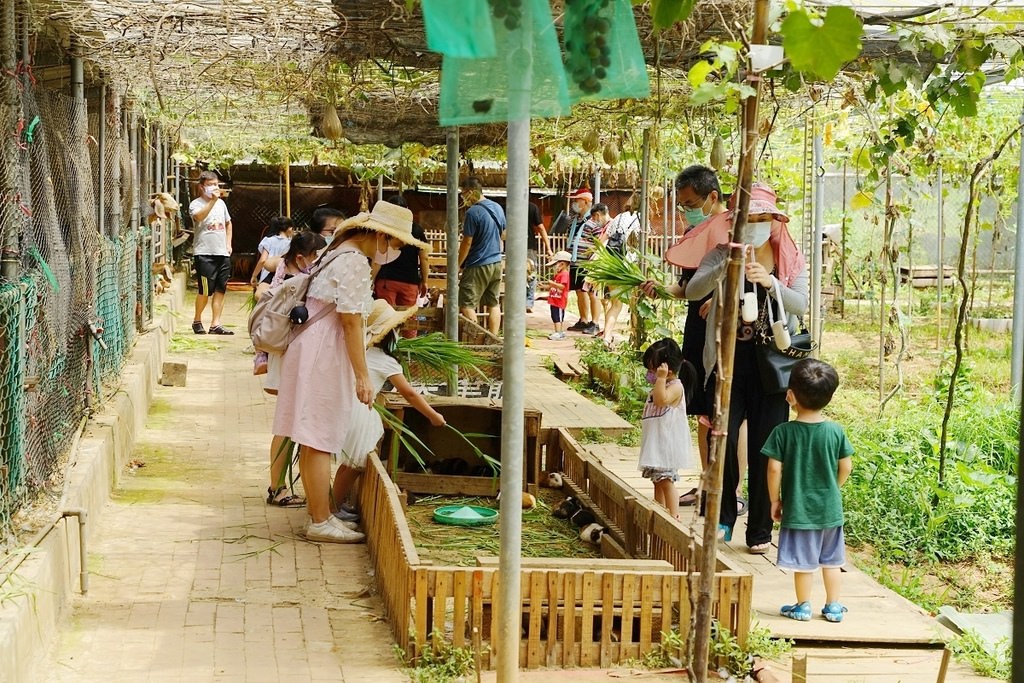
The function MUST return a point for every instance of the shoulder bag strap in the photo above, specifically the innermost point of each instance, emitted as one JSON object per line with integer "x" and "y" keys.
{"x": 493, "y": 216}
{"x": 320, "y": 265}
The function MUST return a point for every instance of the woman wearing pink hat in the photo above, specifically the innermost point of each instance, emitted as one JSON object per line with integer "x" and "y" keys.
{"x": 775, "y": 260}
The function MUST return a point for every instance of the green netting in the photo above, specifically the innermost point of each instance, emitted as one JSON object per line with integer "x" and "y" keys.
{"x": 477, "y": 90}
{"x": 12, "y": 414}
{"x": 602, "y": 53}
{"x": 115, "y": 304}
{"x": 459, "y": 28}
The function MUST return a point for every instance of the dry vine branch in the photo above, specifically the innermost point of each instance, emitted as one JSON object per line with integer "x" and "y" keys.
{"x": 958, "y": 340}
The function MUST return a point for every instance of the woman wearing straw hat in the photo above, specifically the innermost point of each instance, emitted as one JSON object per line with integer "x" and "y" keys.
{"x": 365, "y": 427}
{"x": 323, "y": 373}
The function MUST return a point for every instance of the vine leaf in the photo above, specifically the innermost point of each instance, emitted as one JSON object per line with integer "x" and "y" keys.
{"x": 667, "y": 12}
{"x": 861, "y": 200}
{"x": 823, "y": 49}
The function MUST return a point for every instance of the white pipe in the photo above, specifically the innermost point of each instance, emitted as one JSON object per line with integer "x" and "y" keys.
{"x": 520, "y": 68}
{"x": 597, "y": 186}
{"x": 817, "y": 314}
{"x": 1017, "y": 346}
{"x": 83, "y": 570}
{"x": 451, "y": 302}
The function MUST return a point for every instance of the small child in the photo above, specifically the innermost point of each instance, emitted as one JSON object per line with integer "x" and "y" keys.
{"x": 665, "y": 432}
{"x": 365, "y": 427}
{"x": 272, "y": 247}
{"x": 531, "y": 284}
{"x": 558, "y": 296}
{"x": 298, "y": 258}
{"x": 809, "y": 459}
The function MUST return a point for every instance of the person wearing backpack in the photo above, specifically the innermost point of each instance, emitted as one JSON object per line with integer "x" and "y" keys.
{"x": 323, "y": 371}
{"x": 621, "y": 232}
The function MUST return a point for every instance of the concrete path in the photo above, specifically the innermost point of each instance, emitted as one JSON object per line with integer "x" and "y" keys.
{"x": 193, "y": 577}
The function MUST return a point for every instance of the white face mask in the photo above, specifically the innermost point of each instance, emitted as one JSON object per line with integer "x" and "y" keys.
{"x": 756, "y": 234}
{"x": 208, "y": 190}
{"x": 382, "y": 258}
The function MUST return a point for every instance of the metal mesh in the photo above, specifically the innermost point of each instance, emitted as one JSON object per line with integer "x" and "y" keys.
{"x": 53, "y": 374}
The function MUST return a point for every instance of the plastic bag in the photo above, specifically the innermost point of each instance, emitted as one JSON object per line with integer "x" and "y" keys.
{"x": 601, "y": 51}
{"x": 477, "y": 90}
{"x": 459, "y": 28}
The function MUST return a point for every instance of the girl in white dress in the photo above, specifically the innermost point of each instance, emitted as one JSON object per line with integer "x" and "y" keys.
{"x": 665, "y": 432}
{"x": 365, "y": 428}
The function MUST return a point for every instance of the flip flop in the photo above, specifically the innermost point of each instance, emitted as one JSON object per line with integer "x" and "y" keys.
{"x": 219, "y": 329}
{"x": 688, "y": 498}
{"x": 760, "y": 549}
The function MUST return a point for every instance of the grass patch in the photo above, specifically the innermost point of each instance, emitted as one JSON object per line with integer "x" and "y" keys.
{"x": 542, "y": 536}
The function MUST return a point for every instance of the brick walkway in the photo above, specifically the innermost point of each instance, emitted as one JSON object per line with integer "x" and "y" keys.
{"x": 193, "y": 577}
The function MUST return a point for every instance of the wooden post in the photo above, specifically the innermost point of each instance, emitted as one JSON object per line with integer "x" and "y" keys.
{"x": 728, "y": 309}
{"x": 944, "y": 666}
{"x": 800, "y": 669}
{"x": 287, "y": 186}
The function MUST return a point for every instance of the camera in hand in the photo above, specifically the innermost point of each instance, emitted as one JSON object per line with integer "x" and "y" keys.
{"x": 299, "y": 315}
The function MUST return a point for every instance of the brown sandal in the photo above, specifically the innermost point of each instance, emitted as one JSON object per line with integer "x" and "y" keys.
{"x": 288, "y": 501}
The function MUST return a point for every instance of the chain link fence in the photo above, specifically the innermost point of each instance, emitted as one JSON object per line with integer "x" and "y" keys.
{"x": 82, "y": 287}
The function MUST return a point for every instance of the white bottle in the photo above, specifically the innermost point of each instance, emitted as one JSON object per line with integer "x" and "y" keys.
{"x": 748, "y": 309}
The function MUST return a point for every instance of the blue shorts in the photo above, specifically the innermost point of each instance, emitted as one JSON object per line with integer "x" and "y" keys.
{"x": 557, "y": 314}
{"x": 805, "y": 550}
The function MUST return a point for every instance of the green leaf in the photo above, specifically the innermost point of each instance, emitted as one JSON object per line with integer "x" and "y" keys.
{"x": 699, "y": 73}
{"x": 667, "y": 12}
{"x": 822, "y": 50}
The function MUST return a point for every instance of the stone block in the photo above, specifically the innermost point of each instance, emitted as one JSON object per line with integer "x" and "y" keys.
{"x": 174, "y": 374}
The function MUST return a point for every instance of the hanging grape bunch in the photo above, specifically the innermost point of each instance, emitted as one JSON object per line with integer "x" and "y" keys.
{"x": 587, "y": 54}
{"x": 509, "y": 11}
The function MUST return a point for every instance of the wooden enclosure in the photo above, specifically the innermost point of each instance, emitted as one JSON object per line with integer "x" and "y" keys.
{"x": 574, "y": 614}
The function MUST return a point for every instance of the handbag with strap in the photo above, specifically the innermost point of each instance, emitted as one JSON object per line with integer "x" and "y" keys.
{"x": 280, "y": 315}
{"x": 776, "y": 358}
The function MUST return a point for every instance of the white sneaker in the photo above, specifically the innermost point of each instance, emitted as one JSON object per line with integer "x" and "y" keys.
{"x": 556, "y": 336}
{"x": 329, "y": 532}
{"x": 351, "y": 526}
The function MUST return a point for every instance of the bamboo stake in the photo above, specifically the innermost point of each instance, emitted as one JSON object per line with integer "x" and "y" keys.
{"x": 728, "y": 309}
{"x": 287, "y": 186}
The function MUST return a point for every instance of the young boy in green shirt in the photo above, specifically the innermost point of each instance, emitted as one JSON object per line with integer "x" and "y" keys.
{"x": 809, "y": 459}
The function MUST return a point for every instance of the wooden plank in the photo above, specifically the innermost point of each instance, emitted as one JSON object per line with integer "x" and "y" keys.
{"x": 459, "y": 616}
{"x": 421, "y": 611}
{"x": 442, "y": 589}
{"x": 607, "y": 612}
{"x": 447, "y": 485}
{"x": 626, "y": 634}
{"x": 564, "y": 370}
{"x": 538, "y": 587}
{"x": 569, "y": 623}
{"x": 581, "y": 563}
{"x": 587, "y": 620}
{"x": 551, "y": 655}
{"x": 646, "y": 611}
{"x": 666, "y": 603}
{"x": 476, "y": 608}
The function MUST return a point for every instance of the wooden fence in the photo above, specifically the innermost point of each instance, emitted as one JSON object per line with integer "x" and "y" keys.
{"x": 571, "y": 617}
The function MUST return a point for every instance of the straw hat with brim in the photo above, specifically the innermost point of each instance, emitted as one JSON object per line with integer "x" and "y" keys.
{"x": 762, "y": 201}
{"x": 560, "y": 256}
{"x": 383, "y": 318}
{"x": 387, "y": 218}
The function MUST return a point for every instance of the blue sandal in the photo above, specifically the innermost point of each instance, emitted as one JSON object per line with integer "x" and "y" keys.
{"x": 833, "y": 612}
{"x": 801, "y": 611}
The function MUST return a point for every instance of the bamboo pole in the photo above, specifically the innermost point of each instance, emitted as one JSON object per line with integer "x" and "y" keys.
{"x": 287, "y": 186}
{"x": 728, "y": 309}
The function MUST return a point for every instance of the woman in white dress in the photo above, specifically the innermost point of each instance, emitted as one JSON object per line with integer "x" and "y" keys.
{"x": 323, "y": 372}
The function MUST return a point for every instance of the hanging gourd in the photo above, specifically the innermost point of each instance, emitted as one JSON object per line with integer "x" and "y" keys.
{"x": 591, "y": 142}
{"x": 330, "y": 124}
{"x": 611, "y": 154}
{"x": 717, "y": 153}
